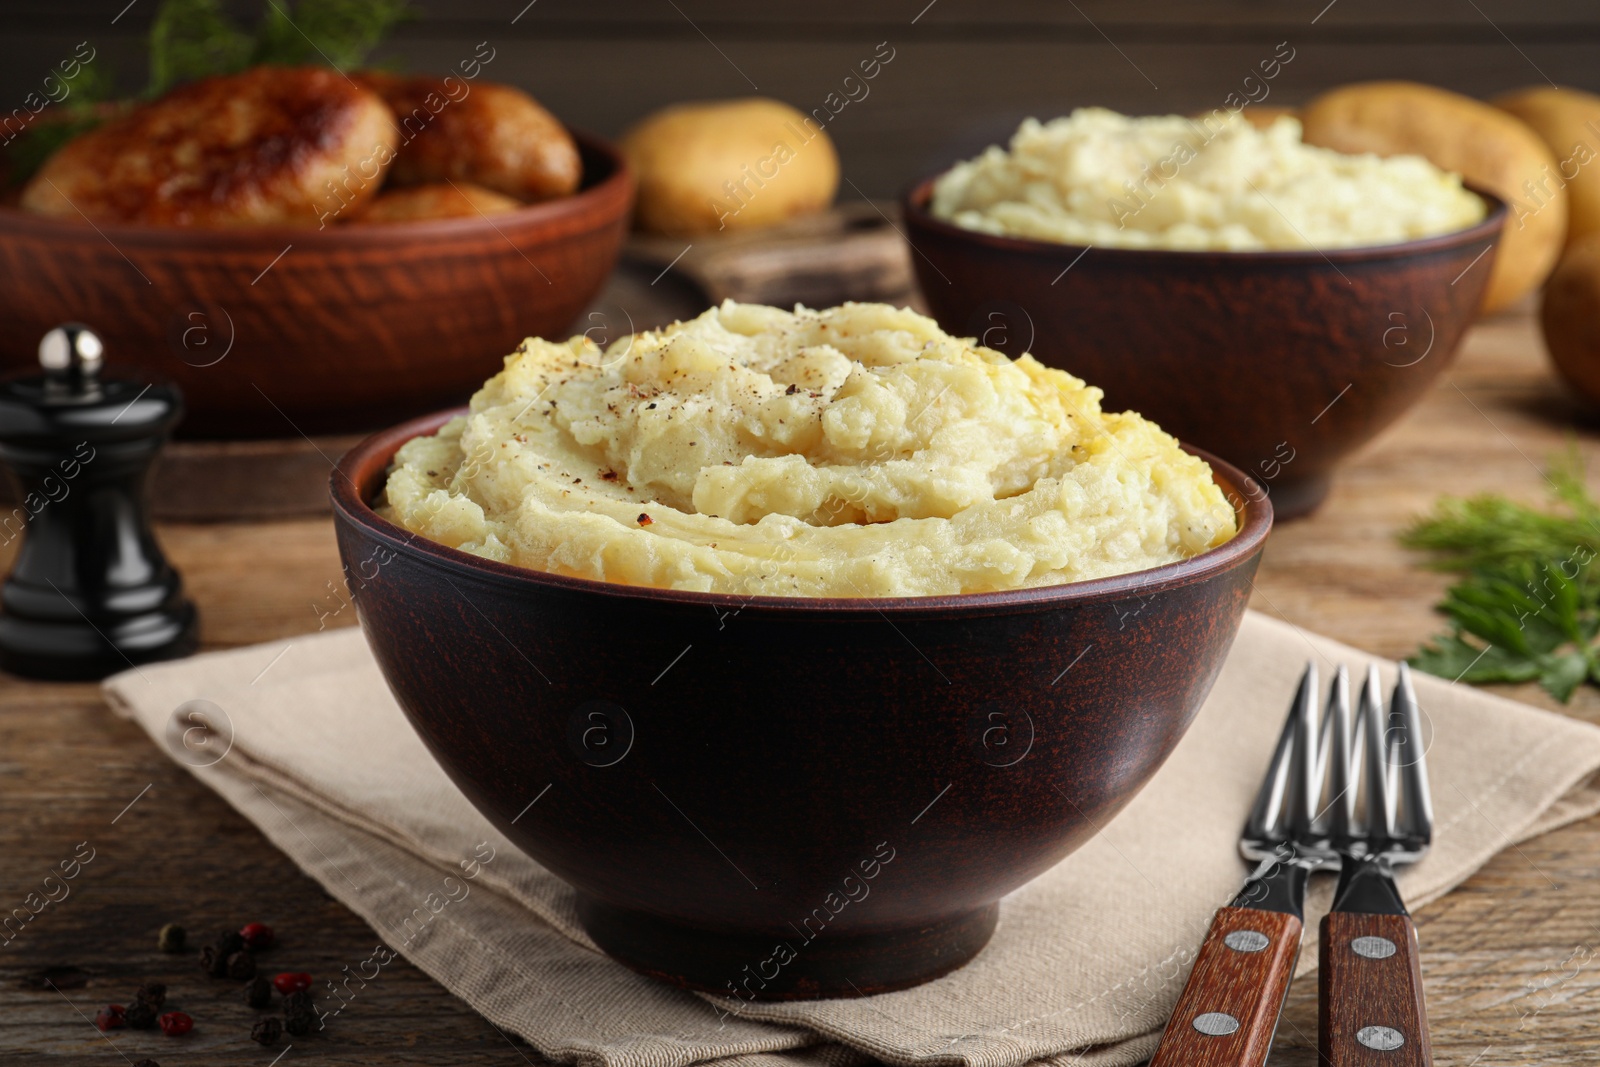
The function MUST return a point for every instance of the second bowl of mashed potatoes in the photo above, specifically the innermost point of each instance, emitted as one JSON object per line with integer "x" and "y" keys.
{"x": 1273, "y": 301}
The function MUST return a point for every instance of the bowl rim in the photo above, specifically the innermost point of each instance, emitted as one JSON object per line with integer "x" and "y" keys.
{"x": 914, "y": 203}
{"x": 618, "y": 183}
{"x": 369, "y": 459}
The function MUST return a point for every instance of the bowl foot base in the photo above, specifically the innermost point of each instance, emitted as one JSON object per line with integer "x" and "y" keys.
{"x": 1295, "y": 500}
{"x": 747, "y": 966}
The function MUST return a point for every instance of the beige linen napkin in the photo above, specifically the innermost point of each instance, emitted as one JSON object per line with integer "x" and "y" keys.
{"x": 1087, "y": 961}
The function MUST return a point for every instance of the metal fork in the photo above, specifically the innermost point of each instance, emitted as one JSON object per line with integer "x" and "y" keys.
{"x": 1229, "y": 1008}
{"x": 1380, "y": 815}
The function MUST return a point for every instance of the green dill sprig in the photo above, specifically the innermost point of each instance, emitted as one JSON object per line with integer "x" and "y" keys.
{"x": 82, "y": 108}
{"x": 1527, "y": 605}
{"x": 192, "y": 39}
{"x": 195, "y": 38}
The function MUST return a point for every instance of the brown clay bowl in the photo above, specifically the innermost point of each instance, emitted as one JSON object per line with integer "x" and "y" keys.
{"x": 278, "y": 331}
{"x": 1282, "y": 363}
{"x": 857, "y": 780}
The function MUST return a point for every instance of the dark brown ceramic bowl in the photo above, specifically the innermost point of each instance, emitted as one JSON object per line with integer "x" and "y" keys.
{"x": 275, "y": 331}
{"x": 1282, "y": 363}
{"x": 858, "y": 781}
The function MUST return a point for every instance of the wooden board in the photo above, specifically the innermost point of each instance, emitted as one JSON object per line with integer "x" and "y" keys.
{"x": 856, "y": 251}
{"x": 1508, "y": 958}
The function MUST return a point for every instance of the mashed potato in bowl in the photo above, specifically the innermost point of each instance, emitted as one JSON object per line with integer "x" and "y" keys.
{"x": 858, "y": 451}
{"x": 1216, "y": 182}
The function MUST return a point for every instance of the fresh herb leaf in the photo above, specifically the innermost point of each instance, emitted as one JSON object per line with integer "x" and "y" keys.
{"x": 335, "y": 33}
{"x": 195, "y": 38}
{"x": 1561, "y": 675}
{"x": 80, "y": 109}
{"x": 1527, "y": 605}
{"x": 1452, "y": 657}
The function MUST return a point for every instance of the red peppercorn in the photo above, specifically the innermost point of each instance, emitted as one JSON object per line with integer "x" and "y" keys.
{"x": 176, "y": 1024}
{"x": 258, "y": 936}
{"x": 110, "y": 1017}
{"x": 291, "y": 982}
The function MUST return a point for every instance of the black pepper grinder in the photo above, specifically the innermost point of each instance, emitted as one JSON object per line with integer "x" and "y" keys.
{"x": 90, "y": 593}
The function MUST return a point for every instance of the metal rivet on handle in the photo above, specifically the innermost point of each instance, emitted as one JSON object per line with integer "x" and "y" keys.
{"x": 1216, "y": 1023}
{"x": 1373, "y": 948}
{"x": 1246, "y": 941}
{"x": 1382, "y": 1038}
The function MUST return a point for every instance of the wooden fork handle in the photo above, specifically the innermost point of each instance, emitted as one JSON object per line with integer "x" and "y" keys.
{"x": 1229, "y": 1009}
{"x": 1371, "y": 1012}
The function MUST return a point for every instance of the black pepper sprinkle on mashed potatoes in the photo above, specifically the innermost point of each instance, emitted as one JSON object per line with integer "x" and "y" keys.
{"x": 857, "y": 451}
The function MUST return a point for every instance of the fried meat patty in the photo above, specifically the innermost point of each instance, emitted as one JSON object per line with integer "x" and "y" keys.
{"x": 270, "y": 146}
{"x": 489, "y": 134}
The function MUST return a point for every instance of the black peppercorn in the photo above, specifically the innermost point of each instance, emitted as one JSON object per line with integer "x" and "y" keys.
{"x": 266, "y": 1031}
{"x": 213, "y": 962}
{"x": 229, "y": 942}
{"x": 151, "y": 993}
{"x": 141, "y": 1015}
{"x": 300, "y": 1012}
{"x": 242, "y": 964}
{"x": 172, "y": 938}
{"x": 258, "y": 994}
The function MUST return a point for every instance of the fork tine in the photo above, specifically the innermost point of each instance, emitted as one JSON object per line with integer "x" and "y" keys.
{"x": 1304, "y": 788}
{"x": 1377, "y": 818}
{"x": 1267, "y": 817}
{"x": 1338, "y": 813}
{"x": 1414, "y": 804}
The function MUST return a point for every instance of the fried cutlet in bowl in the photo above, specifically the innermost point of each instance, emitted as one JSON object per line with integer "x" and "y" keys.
{"x": 271, "y": 146}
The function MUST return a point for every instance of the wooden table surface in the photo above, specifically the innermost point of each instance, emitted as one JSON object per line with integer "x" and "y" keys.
{"x": 1506, "y": 957}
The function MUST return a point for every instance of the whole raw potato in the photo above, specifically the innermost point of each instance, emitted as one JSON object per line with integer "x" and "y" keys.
{"x": 1569, "y": 122}
{"x": 1487, "y": 146}
{"x": 1263, "y": 116}
{"x": 1571, "y": 317}
{"x": 729, "y": 164}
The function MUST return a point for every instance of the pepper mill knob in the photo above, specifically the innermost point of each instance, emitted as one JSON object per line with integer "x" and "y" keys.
{"x": 90, "y": 592}
{"x": 71, "y": 353}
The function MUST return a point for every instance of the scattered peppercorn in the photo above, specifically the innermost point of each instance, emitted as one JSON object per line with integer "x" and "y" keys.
{"x": 213, "y": 962}
{"x": 258, "y": 937}
{"x": 266, "y": 1031}
{"x": 214, "y": 957}
{"x": 140, "y": 1016}
{"x": 291, "y": 982}
{"x": 110, "y": 1017}
{"x": 176, "y": 1024}
{"x": 300, "y": 1012}
{"x": 172, "y": 938}
{"x": 258, "y": 994}
{"x": 152, "y": 993}
{"x": 242, "y": 965}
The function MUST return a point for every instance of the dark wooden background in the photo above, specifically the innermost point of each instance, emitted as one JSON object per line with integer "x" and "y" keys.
{"x": 964, "y": 73}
